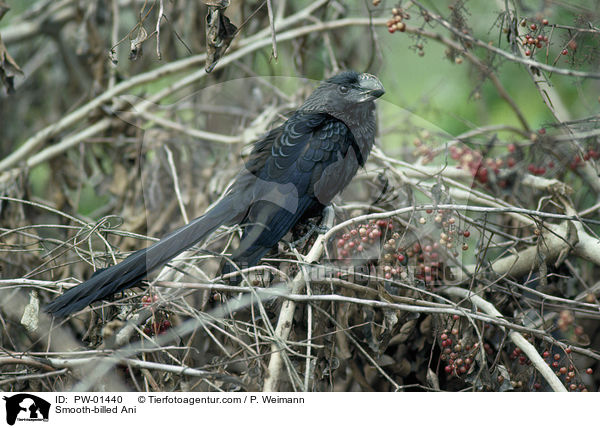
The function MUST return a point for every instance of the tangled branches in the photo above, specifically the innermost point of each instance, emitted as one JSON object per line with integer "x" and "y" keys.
{"x": 466, "y": 262}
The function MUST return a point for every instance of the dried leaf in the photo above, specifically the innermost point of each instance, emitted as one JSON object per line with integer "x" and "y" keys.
{"x": 432, "y": 379}
{"x": 8, "y": 68}
{"x": 30, "y": 318}
{"x": 405, "y": 331}
{"x": 219, "y": 34}
{"x": 135, "y": 50}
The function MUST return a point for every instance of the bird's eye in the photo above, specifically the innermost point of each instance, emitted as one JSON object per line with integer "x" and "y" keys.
{"x": 343, "y": 89}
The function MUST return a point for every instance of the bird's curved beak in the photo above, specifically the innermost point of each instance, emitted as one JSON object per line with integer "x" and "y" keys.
{"x": 371, "y": 87}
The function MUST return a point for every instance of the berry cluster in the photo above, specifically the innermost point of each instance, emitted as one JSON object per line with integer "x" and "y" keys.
{"x": 518, "y": 354}
{"x": 395, "y": 23}
{"x": 457, "y": 355}
{"x": 378, "y": 238}
{"x": 148, "y": 300}
{"x": 566, "y": 324}
{"x": 450, "y": 234}
{"x": 535, "y": 37}
{"x": 481, "y": 167}
{"x": 476, "y": 164}
{"x": 154, "y": 328}
{"x": 364, "y": 241}
{"x": 359, "y": 238}
{"x": 577, "y": 161}
{"x": 565, "y": 370}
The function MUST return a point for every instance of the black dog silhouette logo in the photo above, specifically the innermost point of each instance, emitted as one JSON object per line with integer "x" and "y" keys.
{"x": 26, "y": 407}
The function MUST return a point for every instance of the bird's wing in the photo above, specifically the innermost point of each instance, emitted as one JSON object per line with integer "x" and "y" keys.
{"x": 306, "y": 164}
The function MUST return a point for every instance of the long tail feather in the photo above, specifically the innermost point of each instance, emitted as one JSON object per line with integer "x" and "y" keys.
{"x": 134, "y": 268}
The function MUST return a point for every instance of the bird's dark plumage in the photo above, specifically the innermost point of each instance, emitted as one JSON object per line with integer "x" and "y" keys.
{"x": 295, "y": 169}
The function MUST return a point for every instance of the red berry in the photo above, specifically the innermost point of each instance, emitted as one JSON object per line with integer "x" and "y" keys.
{"x": 565, "y": 52}
{"x": 466, "y": 233}
{"x": 511, "y": 147}
{"x": 448, "y": 369}
{"x": 568, "y": 350}
{"x": 482, "y": 175}
{"x": 527, "y": 52}
{"x": 544, "y": 21}
{"x": 589, "y": 371}
{"x": 557, "y": 357}
{"x": 546, "y": 354}
{"x": 443, "y": 336}
{"x": 533, "y": 27}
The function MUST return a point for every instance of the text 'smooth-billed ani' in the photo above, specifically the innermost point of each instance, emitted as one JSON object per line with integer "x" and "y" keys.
{"x": 292, "y": 172}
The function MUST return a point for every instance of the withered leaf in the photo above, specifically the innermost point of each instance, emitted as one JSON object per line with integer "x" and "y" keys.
{"x": 219, "y": 34}
{"x": 135, "y": 50}
{"x": 8, "y": 68}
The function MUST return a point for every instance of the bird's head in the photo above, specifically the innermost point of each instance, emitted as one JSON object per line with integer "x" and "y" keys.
{"x": 343, "y": 92}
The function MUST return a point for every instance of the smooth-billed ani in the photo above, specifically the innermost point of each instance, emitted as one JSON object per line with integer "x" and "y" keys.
{"x": 294, "y": 171}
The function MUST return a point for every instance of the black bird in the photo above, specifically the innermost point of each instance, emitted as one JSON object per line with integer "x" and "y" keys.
{"x": 292, "y": 173}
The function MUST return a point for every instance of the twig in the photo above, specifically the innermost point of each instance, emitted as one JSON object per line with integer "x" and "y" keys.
{"x": 161, "y": 11}
{"x": 249, "y": 45}
{"x": 502, "y": 52}
{"x": 284, "y": 323}
{"x": 175, "y": 177}
{"x": 272, "y": 24}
